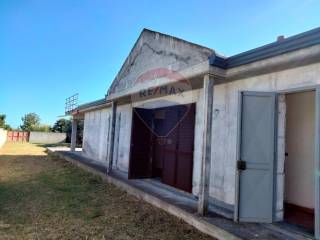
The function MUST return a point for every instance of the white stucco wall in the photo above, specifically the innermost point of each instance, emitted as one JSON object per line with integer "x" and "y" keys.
{"x": 122, "y": 137}
{"x": 95, "y": 134}
{"x": 299, "y": 164}
{"x": 3, "y": 137}
{"x": 153, "y": 51}
{"x": 225, "y": 122}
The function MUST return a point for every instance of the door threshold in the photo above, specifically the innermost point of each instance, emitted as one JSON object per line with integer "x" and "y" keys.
{"x": 159, "y": 183}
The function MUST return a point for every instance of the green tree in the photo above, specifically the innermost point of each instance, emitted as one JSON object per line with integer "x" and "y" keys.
{"x": 62, "y": 125}
{"x": 41, "y": 128}
{"x": 30, "y": 121}
{"x": 3, "y": 122}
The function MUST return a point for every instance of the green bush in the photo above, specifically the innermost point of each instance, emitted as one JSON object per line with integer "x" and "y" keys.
{"x": 40, "y": 128}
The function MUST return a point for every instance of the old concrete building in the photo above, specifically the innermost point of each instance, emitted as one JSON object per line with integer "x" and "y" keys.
{"x": 241, "y": 132}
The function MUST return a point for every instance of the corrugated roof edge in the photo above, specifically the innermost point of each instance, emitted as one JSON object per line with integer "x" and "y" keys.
{"x": 293, "y": 43}
{"x": 91, "y": 104}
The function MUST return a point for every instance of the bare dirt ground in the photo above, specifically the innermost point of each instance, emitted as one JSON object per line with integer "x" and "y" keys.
{"x": 46, "y": 198}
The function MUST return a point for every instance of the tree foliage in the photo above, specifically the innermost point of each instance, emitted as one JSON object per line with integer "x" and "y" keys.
{"x": 3, "y": 122}
{"x": 30, "y": 121}
{"x": 62, "y": 125}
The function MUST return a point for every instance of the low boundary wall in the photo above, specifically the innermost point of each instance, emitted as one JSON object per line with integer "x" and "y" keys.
{"x": 47, "y": 137}
{"x": 3, "y": 137}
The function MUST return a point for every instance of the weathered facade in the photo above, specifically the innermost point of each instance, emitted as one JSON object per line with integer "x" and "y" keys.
{"x": 242, "y": 110}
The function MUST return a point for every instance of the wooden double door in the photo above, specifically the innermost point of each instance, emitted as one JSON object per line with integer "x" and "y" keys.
{"x": 162, "y": 144}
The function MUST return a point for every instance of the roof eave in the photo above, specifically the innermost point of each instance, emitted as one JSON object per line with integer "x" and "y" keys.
{"x": 98, "y": 104}
{"x": 290, "y": 44}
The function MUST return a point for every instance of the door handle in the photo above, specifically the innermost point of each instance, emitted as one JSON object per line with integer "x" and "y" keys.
{"x": 241, "y": 165}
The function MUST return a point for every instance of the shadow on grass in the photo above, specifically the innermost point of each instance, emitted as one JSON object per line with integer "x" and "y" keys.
{"x": 45, "y": 145}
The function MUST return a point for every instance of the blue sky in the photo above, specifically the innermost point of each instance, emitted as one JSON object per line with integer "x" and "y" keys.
{"x": 50, "y": 50}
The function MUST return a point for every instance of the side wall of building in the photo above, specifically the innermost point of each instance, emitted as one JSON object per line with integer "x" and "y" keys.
{"x": 122, "y": 141}
{"x": 95, "y": 134}
{"x": 225, "y": 120}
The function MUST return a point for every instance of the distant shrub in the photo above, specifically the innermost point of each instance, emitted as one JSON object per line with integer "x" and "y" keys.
{"x": 40, "y": 128}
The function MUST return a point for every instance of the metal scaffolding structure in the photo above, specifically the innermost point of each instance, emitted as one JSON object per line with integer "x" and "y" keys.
{"x": 71, "y": 103}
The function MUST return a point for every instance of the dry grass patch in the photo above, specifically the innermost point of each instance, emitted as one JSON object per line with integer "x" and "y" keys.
{"x": 47, "y": 198}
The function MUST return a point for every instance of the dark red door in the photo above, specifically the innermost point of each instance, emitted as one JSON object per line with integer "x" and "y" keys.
{"x": 171, "y": 146}
{"x": 162, "y": 144}
{"x": 140, "y": 164}
{"x": 184, "y": 165}
{"x": 178, "y": 148}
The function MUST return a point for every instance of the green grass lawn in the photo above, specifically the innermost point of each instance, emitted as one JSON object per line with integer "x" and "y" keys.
{"x": 42, "y": 197}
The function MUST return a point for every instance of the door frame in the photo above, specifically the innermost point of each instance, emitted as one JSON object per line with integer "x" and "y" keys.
{"x": 315, "y": 88}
